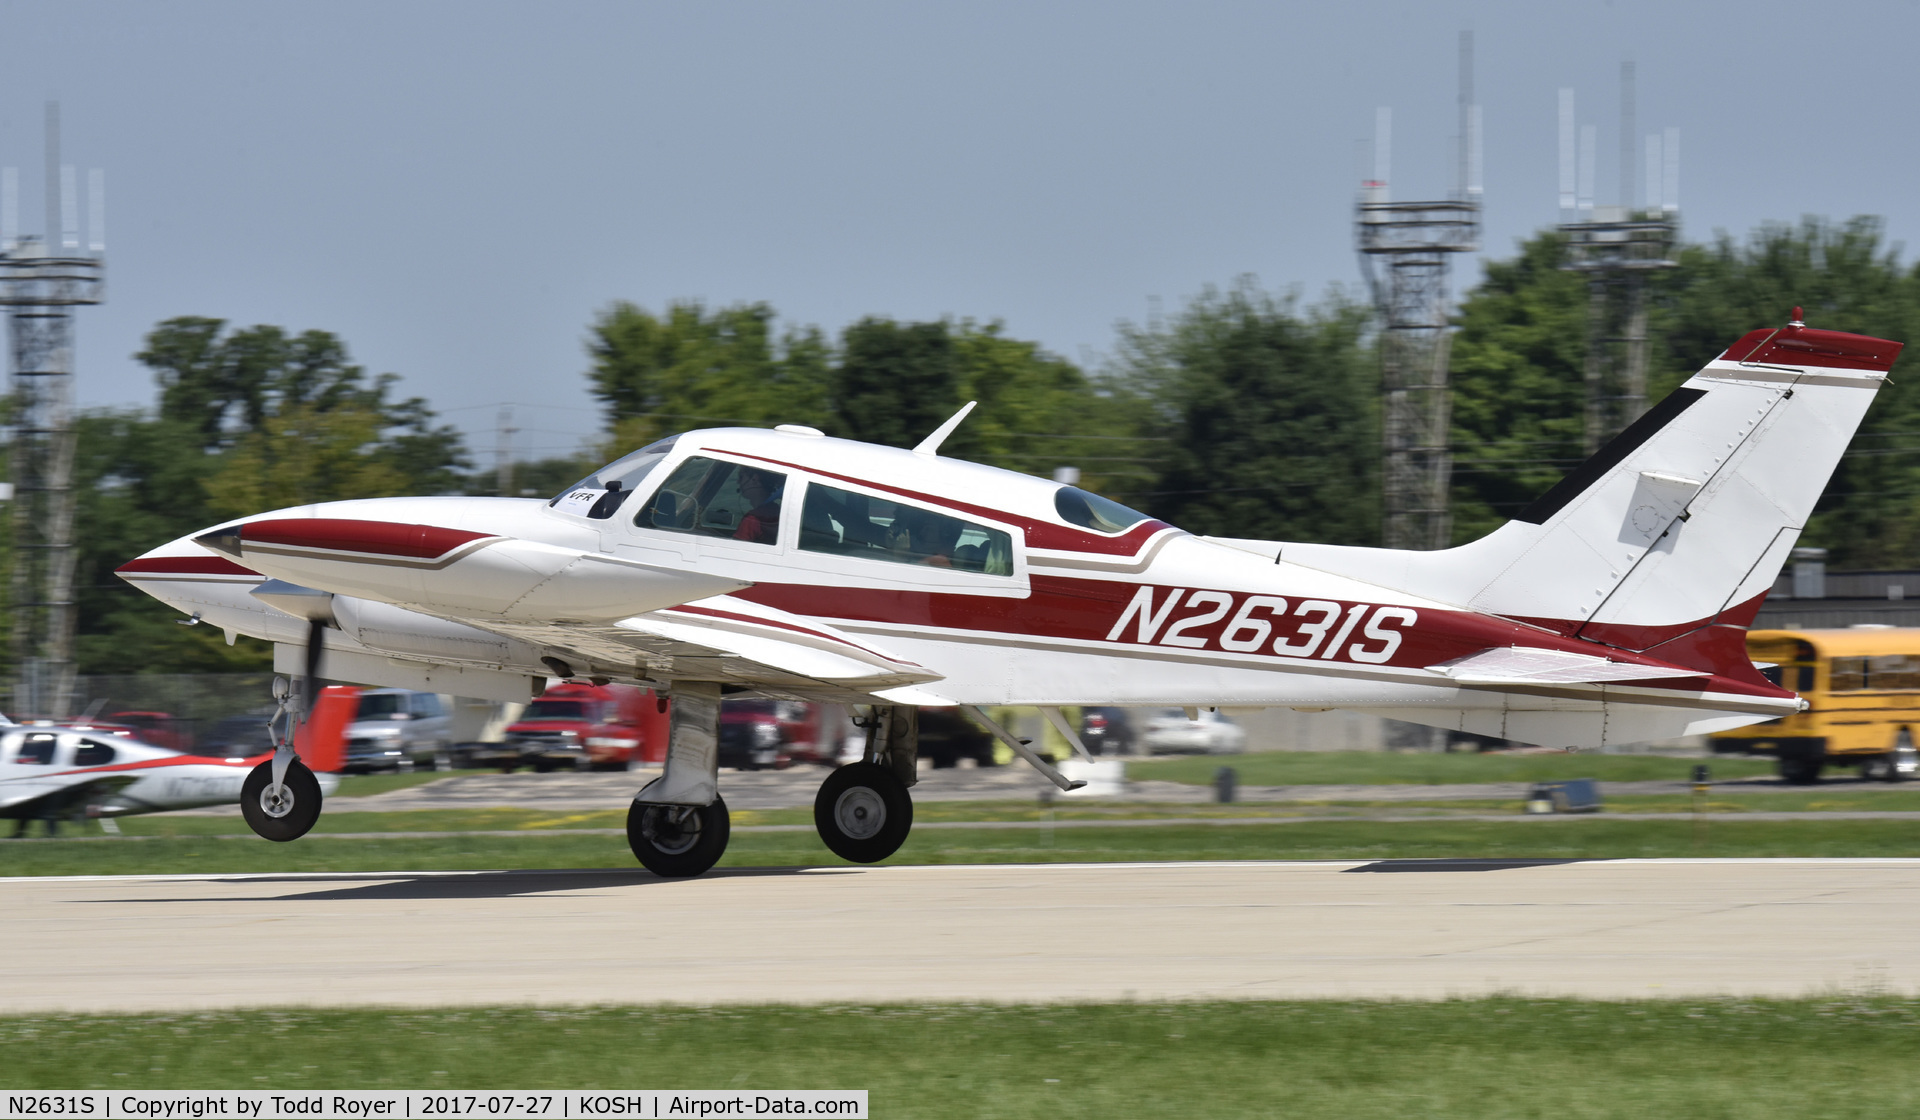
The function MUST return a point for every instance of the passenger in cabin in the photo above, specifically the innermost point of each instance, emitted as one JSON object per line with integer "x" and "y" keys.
{"x": 761, "y": 523}
{"x": 925, "y": 538}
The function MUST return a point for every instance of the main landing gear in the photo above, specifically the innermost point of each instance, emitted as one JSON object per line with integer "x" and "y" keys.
{"x": 678, "y": 826}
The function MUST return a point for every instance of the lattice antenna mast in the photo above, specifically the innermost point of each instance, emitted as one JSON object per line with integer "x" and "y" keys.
{"x": 1405, "y": 253}
{"x": 41, "y": 280}
{"x": 1618, "y": 247}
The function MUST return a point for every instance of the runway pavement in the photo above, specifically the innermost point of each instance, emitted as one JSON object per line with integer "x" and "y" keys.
{"x": 1420, "y": 929}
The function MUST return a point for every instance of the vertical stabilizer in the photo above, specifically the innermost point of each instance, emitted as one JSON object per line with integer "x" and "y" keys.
{"x": 1668, "y": 538}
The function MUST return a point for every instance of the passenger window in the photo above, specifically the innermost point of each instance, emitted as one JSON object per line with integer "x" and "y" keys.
{"x": 843, "y": 523}
{"x": 37, "y": 750}
{"x": 426, "y": 705}
{"x": 93, "y": 754}
{"x": 1849, "y": 674}
{"x": 716, "y": 499}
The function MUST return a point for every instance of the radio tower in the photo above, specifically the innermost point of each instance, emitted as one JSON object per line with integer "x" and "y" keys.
{"x": 40, "y": 282}
{"x": 1617, "y": 247}
{"x": 1413, "y": 243}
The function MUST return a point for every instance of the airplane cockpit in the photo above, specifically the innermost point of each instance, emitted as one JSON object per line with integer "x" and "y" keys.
{"x": 602, "y": 493}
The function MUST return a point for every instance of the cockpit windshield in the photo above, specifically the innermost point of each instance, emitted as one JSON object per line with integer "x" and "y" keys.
{"x": 599, "y": 494}
{"x": 1091, "y": 511}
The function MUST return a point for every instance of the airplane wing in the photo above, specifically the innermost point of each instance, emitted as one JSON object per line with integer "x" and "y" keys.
{"x": 1507, "y": 665}
{"x": 732, "y": 640}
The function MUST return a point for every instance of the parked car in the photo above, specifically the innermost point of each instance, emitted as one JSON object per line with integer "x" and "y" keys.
{"x": 760, "y": 734}
{"x": 162, "y": 729}
{"x": 1107, "y": 731}
{"x": 398, "y": 729}
{"x": 571, "y": 725}
{"x": 1168, "y": 730}
{"x": 238, "y": 736}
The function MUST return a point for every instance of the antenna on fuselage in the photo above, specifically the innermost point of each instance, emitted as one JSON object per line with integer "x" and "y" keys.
{"x": 931, "y": 445}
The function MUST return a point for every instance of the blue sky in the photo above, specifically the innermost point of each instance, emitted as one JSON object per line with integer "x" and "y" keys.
{"x": 456, "y": 188}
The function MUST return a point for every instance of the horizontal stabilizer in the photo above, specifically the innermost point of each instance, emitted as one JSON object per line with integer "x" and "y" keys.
{"x": 1526, "y": 665}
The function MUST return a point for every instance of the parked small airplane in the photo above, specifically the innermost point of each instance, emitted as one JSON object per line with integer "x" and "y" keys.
{"x": 53, "y": 772}
{"x": 787, "y": 564}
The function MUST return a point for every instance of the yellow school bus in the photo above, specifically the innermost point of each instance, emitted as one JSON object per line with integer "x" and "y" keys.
{"x": 1862, "y": 686}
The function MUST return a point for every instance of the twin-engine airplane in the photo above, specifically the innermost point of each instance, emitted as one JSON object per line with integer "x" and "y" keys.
{"x": 787, "y": 564}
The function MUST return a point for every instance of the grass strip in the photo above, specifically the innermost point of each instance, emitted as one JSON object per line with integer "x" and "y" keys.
{"x": 1594, "y": 837}
{"x": 1292, "y": 768}
{"x": 1836, "y": 1056}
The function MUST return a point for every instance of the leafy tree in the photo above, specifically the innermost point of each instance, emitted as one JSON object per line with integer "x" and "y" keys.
{"x": 884, "y": 382}
{"x": 1270, "y": 414}
{"x": 695, "y": 368}
{"x": 1519, "y": 358}
{"x": 249, "y": 420}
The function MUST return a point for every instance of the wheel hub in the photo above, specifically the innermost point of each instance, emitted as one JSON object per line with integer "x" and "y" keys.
{"x": 276, "y": 801}
{"x": 860, "y": 813}
{"x": 670, "y": 829}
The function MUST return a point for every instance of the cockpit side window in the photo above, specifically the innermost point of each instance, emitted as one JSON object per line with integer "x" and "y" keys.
{"x": 93, "y": 754}
{"x": 1091, "y": 511}
{"x": 37, "y": 749}
{"x": 843, "y": 523}
{"x": 716, "y": 499}
{"x": 601, "y": 493}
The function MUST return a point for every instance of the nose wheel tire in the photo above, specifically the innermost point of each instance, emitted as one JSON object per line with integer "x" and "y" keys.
{"x": 280, "y": 814}
{"x": 863, "y": 813}
{"x": 678, "y": 841}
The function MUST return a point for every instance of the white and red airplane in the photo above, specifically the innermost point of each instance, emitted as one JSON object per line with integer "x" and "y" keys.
{"x": 787, "y": 564}
{"x": 54, "y": 772}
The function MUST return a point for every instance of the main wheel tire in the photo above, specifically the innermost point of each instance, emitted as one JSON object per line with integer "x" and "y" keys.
{"x": 678, "y": 841}
{"x": 287, "y": 816}
{"x": 862, "y": 812}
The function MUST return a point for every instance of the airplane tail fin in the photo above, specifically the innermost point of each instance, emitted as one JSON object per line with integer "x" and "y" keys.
{"x": 1667, "y": 540}
{"x": 321, "y": 740}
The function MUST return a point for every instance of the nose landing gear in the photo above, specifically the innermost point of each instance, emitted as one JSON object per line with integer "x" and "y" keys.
{"x": 280, "y": 812}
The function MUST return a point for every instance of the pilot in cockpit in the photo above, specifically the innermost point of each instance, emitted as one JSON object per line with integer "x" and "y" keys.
{"x": 761, "y": 523}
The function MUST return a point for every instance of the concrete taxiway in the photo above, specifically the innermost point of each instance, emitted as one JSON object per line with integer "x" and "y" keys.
{"x": 1420, "y": 929}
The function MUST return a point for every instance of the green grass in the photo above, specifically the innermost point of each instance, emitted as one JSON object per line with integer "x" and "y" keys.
{"x": 1291, "y": 768}
{"x": 365, "y": 785}
{"x": 1880, "y": 798}
{"x": 1843, "y": 1055}
{"x": 1519, "y": 837}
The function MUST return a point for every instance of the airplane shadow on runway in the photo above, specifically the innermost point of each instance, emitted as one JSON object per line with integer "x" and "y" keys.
{"x": 1459, "y": 864}
{"x": 430, "y": 886}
